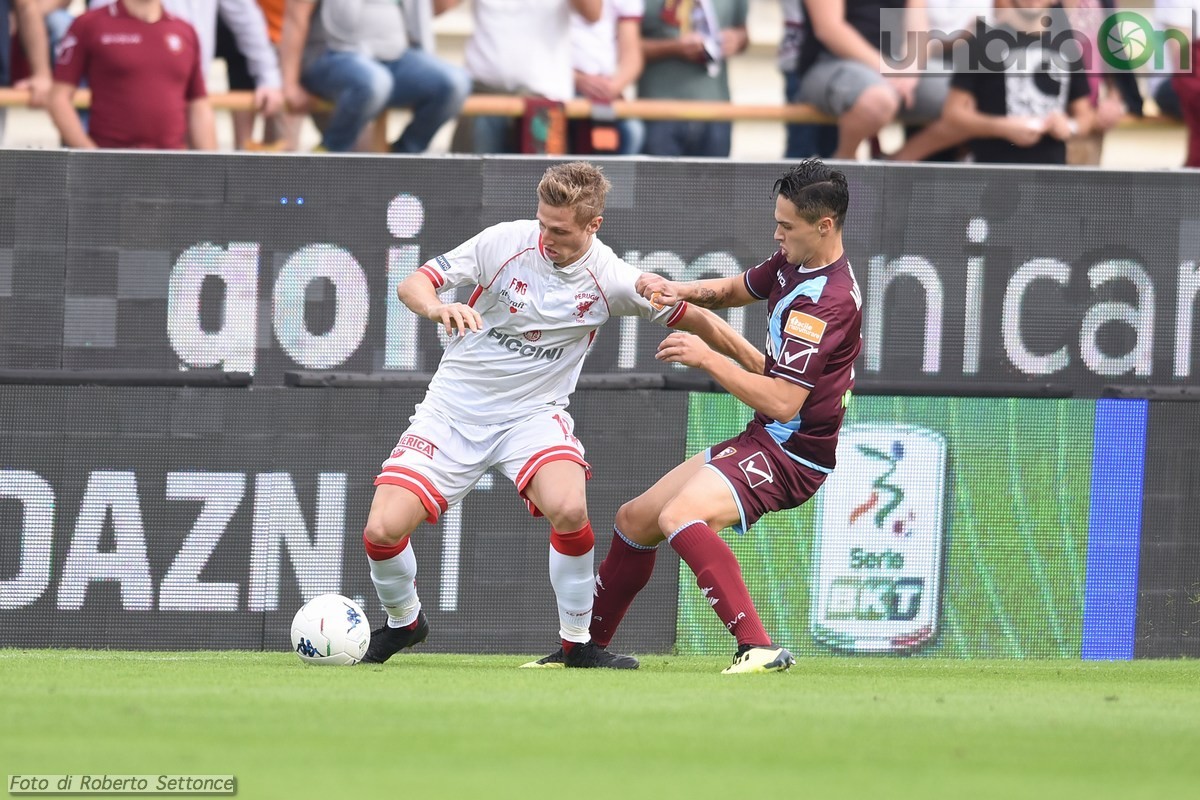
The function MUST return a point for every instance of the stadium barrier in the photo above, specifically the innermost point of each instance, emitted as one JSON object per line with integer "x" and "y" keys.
{"x": 576, "y": 109}
{"x": 1004, "y": 307}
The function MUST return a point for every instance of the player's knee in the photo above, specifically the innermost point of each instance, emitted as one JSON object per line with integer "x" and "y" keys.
{"x": 877, "y": 105}
{"x": 568, "y": 515}
{"x": 378, "y": 532}
{"x": 671, "y": 518}
{"x": 635, "y": 517}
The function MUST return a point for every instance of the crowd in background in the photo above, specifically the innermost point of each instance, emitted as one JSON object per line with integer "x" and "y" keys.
{"x": 147, "y": 64}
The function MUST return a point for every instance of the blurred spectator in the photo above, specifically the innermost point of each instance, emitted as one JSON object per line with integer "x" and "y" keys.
{"x": 1027, "y": 113}
{"x": 803, "y": 139}
{"x": 1178, "y": 14}
{"x": 1107, "y": 90}
{"x": 1186, "y": 86}
{"x": 607, "y": 57}
{"x": 143, "y": 66}
{"x": 356, "y": 55}
{"x": 687, "y": 44}
{"x": 31, "y": 30}
{"x": 249, "y": 28}
{"x": 518, "y": 48}
{"x": 280, "y": 129}
{"x": 840, "y": 63}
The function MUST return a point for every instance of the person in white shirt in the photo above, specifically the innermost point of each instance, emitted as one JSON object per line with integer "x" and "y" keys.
{"x": 517, "y": 48}
{"x": 607, "y": 58}
{"x": 499, "y": 397}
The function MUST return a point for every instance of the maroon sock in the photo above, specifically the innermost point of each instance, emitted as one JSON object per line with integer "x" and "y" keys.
{"x": 623, "y": 573}
{"x": 720, "y": 579}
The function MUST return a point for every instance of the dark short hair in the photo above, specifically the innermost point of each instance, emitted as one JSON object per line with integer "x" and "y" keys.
{"x": 816, "y": 190}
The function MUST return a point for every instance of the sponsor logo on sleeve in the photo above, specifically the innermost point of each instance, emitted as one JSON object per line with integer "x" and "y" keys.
{"x": 805, "y": 326}
{"x": 442, "y": 263}
{"x": 794, "y": 355}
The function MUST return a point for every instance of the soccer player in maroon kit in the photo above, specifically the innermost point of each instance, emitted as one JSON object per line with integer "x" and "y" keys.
{"x": 784, "y": 455}
{"x": 143, "y": 66}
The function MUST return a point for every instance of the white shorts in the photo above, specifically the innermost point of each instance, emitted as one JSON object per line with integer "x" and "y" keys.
{"x": 440, "y": 461}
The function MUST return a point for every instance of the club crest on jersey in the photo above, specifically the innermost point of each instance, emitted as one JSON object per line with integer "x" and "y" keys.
{"x": 532, "y": 336}
{"x": 583, "y": 304}
{"x": 805, "y": 326}
{"x": 728, "y": 451}
{"x": 414, "y": 443}
{"x": 174, "y": 42}
{"x": 757, "y": 469}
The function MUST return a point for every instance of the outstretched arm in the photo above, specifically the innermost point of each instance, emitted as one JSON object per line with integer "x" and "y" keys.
{"x": 418, "y": 293}
{"x": 714, "y": 293}
{"x": 718, "y": 335}
{"x": 779, "y": 399}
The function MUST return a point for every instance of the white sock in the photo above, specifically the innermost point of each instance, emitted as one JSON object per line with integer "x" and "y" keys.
{"x": 573, "y": 582}
{"x": 395, "y": 583}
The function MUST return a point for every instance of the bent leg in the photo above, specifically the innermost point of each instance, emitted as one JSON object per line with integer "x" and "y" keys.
{"x": 692, "y": 518}
{"x": 627, "y": 568}
{"x": 395, "y": 514}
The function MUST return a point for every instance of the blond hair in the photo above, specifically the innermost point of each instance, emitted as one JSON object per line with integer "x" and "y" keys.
{"x": 578, "y": 185}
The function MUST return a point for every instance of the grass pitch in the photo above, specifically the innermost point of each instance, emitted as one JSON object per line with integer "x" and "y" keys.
{"x": 434, "y": 726}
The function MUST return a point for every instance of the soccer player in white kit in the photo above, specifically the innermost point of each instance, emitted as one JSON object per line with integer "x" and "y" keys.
{"x": 499, "y": 397}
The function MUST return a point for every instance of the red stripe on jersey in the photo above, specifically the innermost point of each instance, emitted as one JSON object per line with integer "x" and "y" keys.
{"x": 677, "y": 314}
{"x": 544, "y": 457}
{"x": 601, "y": 290}
{"x": 419, "y": 485}
{"x": 436, "y": 277}
{"x": 592, "y": 336}
{"x": 506, "y": 263}
{"x": 475, "y": 296}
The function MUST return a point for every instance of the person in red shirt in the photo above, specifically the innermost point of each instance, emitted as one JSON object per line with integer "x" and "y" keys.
{"x": 143, "y": 66}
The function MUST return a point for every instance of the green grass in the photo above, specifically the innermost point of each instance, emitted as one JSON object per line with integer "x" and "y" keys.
{"x": 433, "y": 726}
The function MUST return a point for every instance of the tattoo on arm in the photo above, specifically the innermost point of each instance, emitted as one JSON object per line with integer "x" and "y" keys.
{"x": 707, "y": 298}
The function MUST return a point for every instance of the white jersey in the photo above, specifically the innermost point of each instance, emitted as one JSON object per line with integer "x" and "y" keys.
{"x": 538, "y": 322}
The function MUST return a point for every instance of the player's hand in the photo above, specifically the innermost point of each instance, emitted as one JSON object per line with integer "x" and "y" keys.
{"x": 600, "y": 88}
{"x": 658, "y": 290}
{"x": 684, "y": 348}
{"x": 295, "y": 98}
{"x": 457, "y": 316}
{"x": 268, "y": 100}
{"x": 1057, "y": 125}
{"x": 39, "y": 89}
{"x": 1024, "y": 131}
{"x": 691, "y": 48}
{"x": 1109, "y": 112}
{"x": 905, "y": 86}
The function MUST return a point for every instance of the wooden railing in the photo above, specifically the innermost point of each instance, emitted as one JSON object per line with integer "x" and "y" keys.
{"x": 579, "y": 108}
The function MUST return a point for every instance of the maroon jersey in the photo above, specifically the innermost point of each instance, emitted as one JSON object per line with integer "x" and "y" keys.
{"x": 142, "y": 76}
{"x": 813, "y": 337}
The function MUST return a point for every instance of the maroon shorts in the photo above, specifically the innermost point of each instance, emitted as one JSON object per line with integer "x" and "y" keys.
{"x": 761, "y": 475}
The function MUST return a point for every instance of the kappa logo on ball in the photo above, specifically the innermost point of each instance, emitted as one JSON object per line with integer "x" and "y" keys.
{"x": 805, "y": 326}
{"x": 757, "y": 469}
{"x": 414, "y": 443}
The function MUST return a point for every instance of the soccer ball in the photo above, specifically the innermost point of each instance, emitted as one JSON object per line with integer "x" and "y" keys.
{"x": 331, "y": 629}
